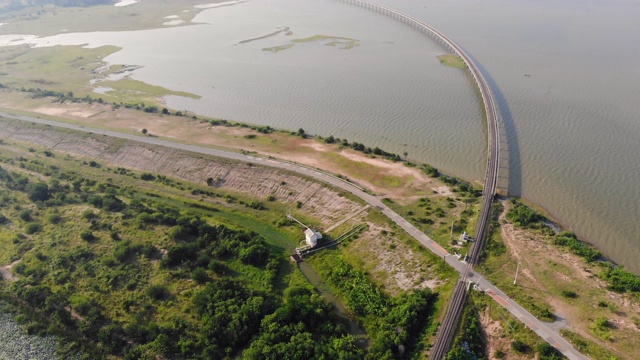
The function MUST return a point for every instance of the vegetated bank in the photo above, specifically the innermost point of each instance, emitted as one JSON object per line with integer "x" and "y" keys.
{"x": 49, "y": 17}
{"x": 138, "y": 265}
{"x": 560, "y": 279}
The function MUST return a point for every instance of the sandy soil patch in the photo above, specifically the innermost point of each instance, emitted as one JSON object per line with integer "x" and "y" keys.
{"x": 73, "y": 111}
{"x": 392, "y": 262}
{"x": 317, "y": 146}
{"x": 494, "y": 334}
{"x": 397, "y": 168}
{"x": 443, "y": 190}
{"x": 6, "y": 271}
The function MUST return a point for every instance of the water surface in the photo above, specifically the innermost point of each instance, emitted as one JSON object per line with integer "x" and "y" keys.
{"x": 568, "y": 72}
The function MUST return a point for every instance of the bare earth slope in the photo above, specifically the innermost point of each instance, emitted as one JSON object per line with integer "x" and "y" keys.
{"x": 327, "y": 204}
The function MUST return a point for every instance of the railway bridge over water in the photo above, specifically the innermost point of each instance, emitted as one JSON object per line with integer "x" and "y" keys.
{"x": 447, "y": 330}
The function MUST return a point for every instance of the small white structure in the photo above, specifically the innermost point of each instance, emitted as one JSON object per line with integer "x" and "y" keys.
{"x": 312, "y": 237}
{"x": 464, "y": 237}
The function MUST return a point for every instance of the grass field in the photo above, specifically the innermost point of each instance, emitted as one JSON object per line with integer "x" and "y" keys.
{"x": 452, "y": 60}
{"x": 336, "y": 41}
{"x": 74, "y": 69}
{"x": 50, "y": 20}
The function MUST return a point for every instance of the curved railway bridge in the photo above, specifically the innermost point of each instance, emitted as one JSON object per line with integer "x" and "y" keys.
{"x": 452, "y": 317}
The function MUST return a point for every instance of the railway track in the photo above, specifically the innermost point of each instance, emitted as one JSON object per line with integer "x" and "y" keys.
{"x": 452, "y": 316}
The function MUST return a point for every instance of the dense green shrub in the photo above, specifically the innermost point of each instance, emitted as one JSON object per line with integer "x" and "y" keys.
{"x": 158, "y": 292}
{"x": 620, "y": 280}
{"x": 576, "y": 246}
{"x": 470, "y": 344}
{"x": 548, "y": 352}
{"x": 38, "y": 192}
{"x": 200, "y": 276}
{"x": 523, "y": 215}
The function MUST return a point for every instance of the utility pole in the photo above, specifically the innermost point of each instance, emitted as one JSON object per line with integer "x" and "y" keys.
{"x": 517, "y": 268}
{"x": 451, "y": 236}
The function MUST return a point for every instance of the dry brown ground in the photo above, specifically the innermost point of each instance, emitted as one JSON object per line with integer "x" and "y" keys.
{"x": 6, "y": 273}
{"x": 392, "y": 262}
{"x": 494, "y": 334}
{"x": 393, "y": 180}
{"x": 546, "y": 270}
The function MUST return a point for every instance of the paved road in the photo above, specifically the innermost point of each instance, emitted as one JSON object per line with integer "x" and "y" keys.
{"x": 542, "y": 329}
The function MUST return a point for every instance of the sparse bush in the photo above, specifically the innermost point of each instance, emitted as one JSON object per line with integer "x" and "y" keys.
{"x": 54, "y": 218}
{"x": 568, "y": 294}
{"x": 88, "y": 215}
{"x": 520, "y": 347}
{"x": 257, "y": 205}
{"x": 32, "y": 228}
{"x": 147, "y": 177}
{"x": 25, "y": 215}
{"x": 115, "y": 236}
{"x": 87, "y": 235}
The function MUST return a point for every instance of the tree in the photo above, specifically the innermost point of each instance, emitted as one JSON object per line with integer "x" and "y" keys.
{"x": 157, "y": 292}
{"x": 301, "y": 132}
{"x": 144, "y": 131}
{"x": 200, "y": 276}
{"x": 256, "y": 255}
{"x": 39, "y": 192}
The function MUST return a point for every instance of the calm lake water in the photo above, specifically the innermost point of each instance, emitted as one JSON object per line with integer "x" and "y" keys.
{"x": 568, "y": 73}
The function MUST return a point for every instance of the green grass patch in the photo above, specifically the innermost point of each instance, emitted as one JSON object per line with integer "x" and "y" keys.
{"x": 587, "y": 347}
{"x": 48, "y": 20}
{"x": 343, "y": 43}
{"x": 452, "y": 60}
{"x": 275, "y": 49}
{"x": 128, "y": 88}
